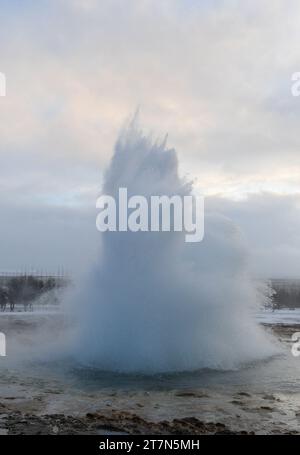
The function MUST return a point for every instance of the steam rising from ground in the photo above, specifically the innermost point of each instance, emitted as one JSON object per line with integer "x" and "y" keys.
{"x": 154, "y": 303}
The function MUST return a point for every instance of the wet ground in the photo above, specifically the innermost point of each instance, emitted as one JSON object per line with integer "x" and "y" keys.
{"x": 58, "y": 397}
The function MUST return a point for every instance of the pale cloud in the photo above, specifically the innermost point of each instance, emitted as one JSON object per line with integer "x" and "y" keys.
{"x": 270, "y": 223}
{"x": 214, "y": 75}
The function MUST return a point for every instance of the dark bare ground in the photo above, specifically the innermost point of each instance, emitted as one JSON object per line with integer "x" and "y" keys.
{"x": 34, "y": 419}
{"x": 113, "y": 423}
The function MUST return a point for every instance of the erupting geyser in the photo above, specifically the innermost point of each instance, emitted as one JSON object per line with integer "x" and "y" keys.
{"x": 154, "y": 303}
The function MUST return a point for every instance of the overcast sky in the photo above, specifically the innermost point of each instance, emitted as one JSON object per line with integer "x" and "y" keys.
{"x": 214, "y": 75}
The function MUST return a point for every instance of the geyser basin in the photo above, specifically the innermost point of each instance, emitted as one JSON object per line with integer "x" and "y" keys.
{"x": 154, "y": 303}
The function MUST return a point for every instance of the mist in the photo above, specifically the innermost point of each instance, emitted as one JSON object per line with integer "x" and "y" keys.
{"x": 153, "y": 303}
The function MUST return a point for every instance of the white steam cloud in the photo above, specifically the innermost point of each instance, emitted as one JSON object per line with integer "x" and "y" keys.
{"x": 154, "y": 303}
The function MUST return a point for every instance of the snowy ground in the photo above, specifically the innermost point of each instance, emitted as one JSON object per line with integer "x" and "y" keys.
{"x": 284, "y": 316}
{"x": 37, "y": 309}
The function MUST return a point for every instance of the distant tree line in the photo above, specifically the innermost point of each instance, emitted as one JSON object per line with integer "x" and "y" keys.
{"x": 26, "y": 290}
{"x": 286, "y": 296}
